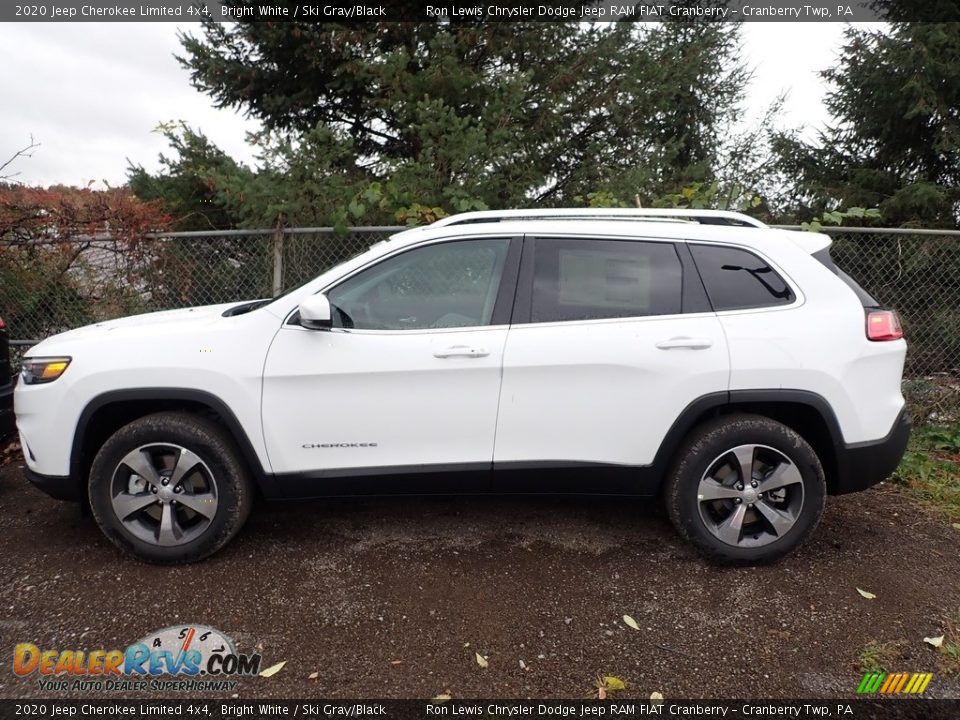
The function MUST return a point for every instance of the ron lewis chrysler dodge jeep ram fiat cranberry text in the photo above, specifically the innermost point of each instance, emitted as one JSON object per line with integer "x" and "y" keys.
{"x": 729, "y": 366}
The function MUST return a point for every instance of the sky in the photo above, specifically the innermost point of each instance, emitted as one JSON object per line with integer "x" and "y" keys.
{"x": 92, "y": 94}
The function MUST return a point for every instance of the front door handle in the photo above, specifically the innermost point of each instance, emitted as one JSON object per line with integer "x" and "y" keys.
{"x": 462, "y": 351}
{"x": 685, "y": 342}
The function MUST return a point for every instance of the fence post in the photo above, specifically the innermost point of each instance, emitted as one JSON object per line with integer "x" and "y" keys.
{"x": 278, "y": 236}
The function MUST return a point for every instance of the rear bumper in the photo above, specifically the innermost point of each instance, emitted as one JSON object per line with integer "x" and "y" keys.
{"x": 58, "y": 487}
{"x": 7, "y": 420}
{"x": 862, "y": 465}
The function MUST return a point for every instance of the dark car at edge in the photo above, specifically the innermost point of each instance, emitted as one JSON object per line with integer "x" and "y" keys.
{"x": 7, "y": 424}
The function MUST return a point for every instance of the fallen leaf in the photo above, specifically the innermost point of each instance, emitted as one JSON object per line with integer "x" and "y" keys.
{"x": 442, "y": 697}
{"x": 611, "y": 682}
{"x": 313, "y": 676}
{"x": 523, "y": 665}
{"x": 481, "y": 660}
{"x": 956, "y": 526}
{"x": 273, "y": 669}
{"x": 630, "y": 622}
{"x": 656, "y": 697}
{"x": 935, "y": 641}
{"x": 466, "y": 644}
{"x": 607, "y": 685}
{"x": 396, "y": 662}
{"x": 867, "y": 595}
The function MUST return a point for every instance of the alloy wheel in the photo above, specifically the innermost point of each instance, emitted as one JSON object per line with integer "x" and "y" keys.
{"x": 164, "y": 494}
{"x": 750, "y": 496}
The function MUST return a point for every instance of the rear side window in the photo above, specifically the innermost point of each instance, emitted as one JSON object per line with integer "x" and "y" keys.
{"x": 865, "y": 298}
{"x": 737, "y": 279}
{"x": 588, "y": 279}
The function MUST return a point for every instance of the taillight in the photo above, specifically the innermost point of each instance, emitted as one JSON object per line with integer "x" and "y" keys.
{"x": 883, "y": 325}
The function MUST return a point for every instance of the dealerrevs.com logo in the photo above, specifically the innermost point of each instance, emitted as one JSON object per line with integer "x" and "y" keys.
{"x": 177, "y": 658}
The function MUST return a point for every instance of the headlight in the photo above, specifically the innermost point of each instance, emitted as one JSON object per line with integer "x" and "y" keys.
{"x": 35, "y": 371}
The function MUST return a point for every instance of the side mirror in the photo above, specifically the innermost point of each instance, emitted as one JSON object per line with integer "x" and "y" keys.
{"x": 315, "y": 313}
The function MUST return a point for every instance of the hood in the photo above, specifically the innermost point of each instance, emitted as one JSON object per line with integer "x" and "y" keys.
{"x": 151, "y": 324}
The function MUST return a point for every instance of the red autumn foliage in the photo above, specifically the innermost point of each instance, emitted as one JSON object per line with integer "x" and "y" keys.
{"x": 70, "y": 256}
{"x": 33, "y": 214}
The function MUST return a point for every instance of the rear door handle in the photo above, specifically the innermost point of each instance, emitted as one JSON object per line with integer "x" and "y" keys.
{"x": 685, "y": 342}
{"x": 462, "y": 351}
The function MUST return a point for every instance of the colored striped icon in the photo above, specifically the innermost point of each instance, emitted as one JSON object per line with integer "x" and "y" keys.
{"x": 894, "y": 683}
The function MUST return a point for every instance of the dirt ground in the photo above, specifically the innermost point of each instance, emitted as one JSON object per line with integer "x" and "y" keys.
{"x": 380, "y": 597}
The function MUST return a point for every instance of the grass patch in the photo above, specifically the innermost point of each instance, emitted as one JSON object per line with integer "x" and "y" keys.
{"x": 951, "y": 657}
{"x": 889, "y": 656}
{"x": 950, "y": 650}
{"x": 930, "y": 470}
{"x": 933, "y": 400}
{"x": 879, "y": 656}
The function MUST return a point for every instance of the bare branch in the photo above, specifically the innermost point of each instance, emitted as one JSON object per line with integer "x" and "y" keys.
{"x": 22, "y": 153}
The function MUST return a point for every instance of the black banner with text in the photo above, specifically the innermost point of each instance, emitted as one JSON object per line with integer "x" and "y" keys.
{"x": 859, "y": 709}
{"x": 352, "y": 11}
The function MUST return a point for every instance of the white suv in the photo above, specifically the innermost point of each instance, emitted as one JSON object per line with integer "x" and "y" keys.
{"x": 702, "y": 355}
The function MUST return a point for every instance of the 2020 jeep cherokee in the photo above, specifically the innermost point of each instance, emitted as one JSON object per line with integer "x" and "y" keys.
{"x": 700, "y": 354}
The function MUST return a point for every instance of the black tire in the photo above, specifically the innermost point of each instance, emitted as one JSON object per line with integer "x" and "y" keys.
{"x": 220, "y": 473}
{"x": 709, "y": 448}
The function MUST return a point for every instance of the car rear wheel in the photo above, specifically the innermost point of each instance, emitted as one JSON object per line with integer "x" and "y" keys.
{"x": 745, "y": 489}
{"x": 169, "y": 488}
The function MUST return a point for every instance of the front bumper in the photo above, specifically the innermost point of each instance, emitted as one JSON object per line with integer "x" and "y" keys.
{"x": 57, "y": 487}
{"x": 7, "y": 420}
{"x": 862, "y": 465}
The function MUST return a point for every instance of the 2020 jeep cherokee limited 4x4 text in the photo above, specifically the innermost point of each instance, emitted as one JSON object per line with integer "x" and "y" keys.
{"x": 729, "y": 366}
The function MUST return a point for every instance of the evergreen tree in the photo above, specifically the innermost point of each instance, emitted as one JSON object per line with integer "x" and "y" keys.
{"x": 894, "y": 142}
{"x": 189, "y": 185}
{"x": 364, "y": 121}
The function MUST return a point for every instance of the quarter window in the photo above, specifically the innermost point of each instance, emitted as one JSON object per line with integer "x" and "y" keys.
{"x": 588, "y": 279}
{"x": 737, "y": 279}
{"x": 445, "y": 285}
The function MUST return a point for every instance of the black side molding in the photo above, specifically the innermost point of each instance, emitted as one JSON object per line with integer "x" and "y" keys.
{"x": 682, "y": 426}
{"x": 797, "y": 397}
{"x": 444, "y": 479}
{"x": 575, "y": 478}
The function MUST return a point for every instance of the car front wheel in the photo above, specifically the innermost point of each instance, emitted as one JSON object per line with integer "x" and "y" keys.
{"x": 169, "y": 488}
{"x": 745, "y": 489}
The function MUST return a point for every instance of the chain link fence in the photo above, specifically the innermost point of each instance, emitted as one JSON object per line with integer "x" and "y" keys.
{"x": 50, "y": 287}
{"x": 55, "y": 286}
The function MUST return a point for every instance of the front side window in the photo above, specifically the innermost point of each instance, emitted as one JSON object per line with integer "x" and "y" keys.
{"x": 737, "y": 279}
{"x": 592, "y": 279}
{"x": 445, "y": 285}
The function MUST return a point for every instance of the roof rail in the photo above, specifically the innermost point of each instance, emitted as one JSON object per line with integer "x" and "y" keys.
{"x": 705, "y": 217}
